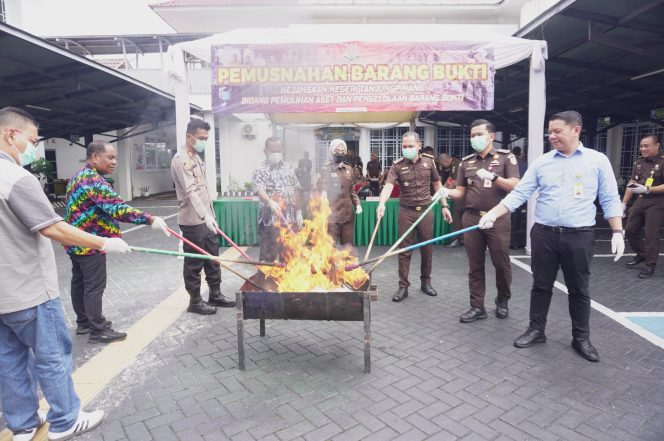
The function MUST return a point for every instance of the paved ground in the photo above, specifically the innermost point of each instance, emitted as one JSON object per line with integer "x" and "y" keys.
{"x": 432, "y": 377}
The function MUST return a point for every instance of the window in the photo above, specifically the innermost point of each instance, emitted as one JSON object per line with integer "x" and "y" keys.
{"x": 455, "y": 141}
{"x": 3, "y": 12}
{"x": 386, "y": 143}
{"x": 632, "y": 134}
{"x": 154, "y": 155}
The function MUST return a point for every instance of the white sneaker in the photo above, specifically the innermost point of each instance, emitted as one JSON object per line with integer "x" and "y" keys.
{"x": 29, "y": 434}
{"x": 86, "y": 421}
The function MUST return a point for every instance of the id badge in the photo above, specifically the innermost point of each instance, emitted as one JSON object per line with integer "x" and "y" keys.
{"x": 649, "y": 182}
{"x": 487, "y": 183}
{"x": 578, "y": 190}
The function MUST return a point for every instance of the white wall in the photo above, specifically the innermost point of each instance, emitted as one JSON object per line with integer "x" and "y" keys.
{"x": 68, "y": 158}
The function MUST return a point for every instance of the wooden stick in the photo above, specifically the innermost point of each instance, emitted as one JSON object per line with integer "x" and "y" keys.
{"x": 412, "y": 227}
{"x": 373, "y": 236}
{"x": 410, "y": 248}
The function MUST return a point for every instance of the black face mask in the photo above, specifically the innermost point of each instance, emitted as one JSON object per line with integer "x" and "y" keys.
{"x": 338, "y": 159}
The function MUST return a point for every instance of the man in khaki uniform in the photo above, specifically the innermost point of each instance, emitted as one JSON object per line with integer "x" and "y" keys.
{"x": 414, "y": 173}
{"x": 448, "y": 171}
{"x": 648, "y": 210}
{"x": 484, "y": 179}
{"x": 336, "y": 180}
{"x": 196, "y": 220}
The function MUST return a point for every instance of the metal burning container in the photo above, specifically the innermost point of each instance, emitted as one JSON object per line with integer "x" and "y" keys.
{"x": 335, "y": 305}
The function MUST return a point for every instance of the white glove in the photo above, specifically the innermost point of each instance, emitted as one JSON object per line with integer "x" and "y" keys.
{"x": 485, "y": 174}
{"x": 115, "y": 245}
{"x": 358, "y": 209}
{"x": 380, "y": 211}
{"x": 443, "y": 193}
{"x": 624, "y": 209}
{"x": 211, "y": 223}
{"x": 617, "y": 245}
{"x": 639, "y": 189}
{"x": 487, "y": 220}
{"x": 158, "y": 223}
{"x": 299, "y": 219}
{"x": 274, "y": 206}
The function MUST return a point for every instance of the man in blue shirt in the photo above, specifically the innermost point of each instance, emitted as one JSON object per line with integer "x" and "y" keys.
{"x": 568, "y": 180}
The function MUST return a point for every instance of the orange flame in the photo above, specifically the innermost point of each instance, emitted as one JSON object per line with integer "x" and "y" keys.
{"x": 312, "y": 262}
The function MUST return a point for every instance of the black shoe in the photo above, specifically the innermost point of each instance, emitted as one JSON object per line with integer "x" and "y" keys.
{"x": 529, "y": 338}
{"x": 647, "y": 272}
{"x": 456, "y": 243}
{"x": 85, "y": 329}
{"x": 584, "y": 348}
{"x": 108, "y": 335}
{"x": 473, "y": 314}
{"x": 428, "y": 290}
{"x": 218, "y": 299}
{"x": 502, "y": 310}
{"x": 635, "y": 262}
{"x": 400, "y": 295}
{"x": 198, "y": 306}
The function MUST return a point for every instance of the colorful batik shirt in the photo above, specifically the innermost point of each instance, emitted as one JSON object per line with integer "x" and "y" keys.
{"x": 93, "y": 206}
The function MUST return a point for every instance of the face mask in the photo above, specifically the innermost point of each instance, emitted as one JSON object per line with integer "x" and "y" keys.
{"x": 28, "y": 156}
{"x": 275, "y": 158}
{"x": 338, "y": 159}
{"x": 478, "y": 143}
{"x": 409, "y": 153}
{"x": 200, "y": 146}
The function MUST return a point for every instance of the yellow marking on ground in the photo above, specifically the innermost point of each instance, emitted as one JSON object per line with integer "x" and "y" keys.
{"x": 91, "y": 378}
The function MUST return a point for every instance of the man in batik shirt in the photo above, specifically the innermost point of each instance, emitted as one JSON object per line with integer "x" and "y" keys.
{"x": 93, "y": 206}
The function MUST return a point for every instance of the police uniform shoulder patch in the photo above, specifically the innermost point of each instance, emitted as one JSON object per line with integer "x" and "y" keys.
{"x": 468, "y": 157}
{"x": 399, "y": 160}
{"x": 503, "y": 151}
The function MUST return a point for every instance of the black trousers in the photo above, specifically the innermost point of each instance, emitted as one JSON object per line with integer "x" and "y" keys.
{"x": 270, "y": 249}
{"x": 572, "y": 252}
{"x": 202, "y": 236}
{"x": 88, "y": 282}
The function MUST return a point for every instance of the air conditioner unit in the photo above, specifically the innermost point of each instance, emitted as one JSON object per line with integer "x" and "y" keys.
{"x": 248, "y": 131}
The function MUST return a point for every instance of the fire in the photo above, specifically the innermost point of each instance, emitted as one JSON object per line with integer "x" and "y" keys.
{"x": 312, "y": 262}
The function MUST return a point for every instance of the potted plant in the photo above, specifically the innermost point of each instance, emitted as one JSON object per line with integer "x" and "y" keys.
{"x": 248, "y": 188}
{"x": 43, "y": 170}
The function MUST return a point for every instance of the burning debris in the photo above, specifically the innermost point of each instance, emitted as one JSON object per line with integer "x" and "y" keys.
{"x": 312, "y": 262}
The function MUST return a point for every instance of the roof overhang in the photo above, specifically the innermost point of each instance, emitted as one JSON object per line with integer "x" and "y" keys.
{"x": 71, "y": 95}
{"x": 118, "y": 44}
{"x": 605, "y": 59}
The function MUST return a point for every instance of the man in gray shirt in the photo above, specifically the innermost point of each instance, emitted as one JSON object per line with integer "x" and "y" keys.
{"x": 31, "y": 314}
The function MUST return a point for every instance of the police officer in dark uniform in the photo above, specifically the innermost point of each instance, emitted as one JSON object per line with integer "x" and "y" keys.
{"x": 647, "y": 183}
{"x": 336, "y": 180}
{"x": 414, "y": 173}
{"x": 485, "y": 178}
{"x": 374, "y": 170}
{"x": 448, "y": 170}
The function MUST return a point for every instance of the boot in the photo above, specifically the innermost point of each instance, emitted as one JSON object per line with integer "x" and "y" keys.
{"x": 198, "y": 306}
{"x": 218, "y": 299}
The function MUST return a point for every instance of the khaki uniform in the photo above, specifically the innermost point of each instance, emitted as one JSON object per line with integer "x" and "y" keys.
{"x": 414, "y": 179}
{"x": 188, "y": 172}
{"x": 447, "y": 176}
{"x": 337, "y": 182}
{"x": 647, "y": 210}
{"x": 481, "y": 196}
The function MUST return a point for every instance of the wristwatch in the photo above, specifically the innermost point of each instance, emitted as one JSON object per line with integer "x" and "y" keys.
{"x": 495, "y": 177}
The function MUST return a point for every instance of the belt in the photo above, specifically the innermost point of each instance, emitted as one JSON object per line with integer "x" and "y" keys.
{"x": 414, "y": 207}
{"x": 475, "y": 211}
{"x": 563, "y": 230}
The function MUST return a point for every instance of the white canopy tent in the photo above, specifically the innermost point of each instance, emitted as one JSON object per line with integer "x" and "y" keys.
{"x": 507, "y": 50}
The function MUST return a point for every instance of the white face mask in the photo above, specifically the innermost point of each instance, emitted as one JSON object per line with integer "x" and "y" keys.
{"x": 479, "y": 143}
{"x": 409, "y": 153}
{"x": 275, "y": 158}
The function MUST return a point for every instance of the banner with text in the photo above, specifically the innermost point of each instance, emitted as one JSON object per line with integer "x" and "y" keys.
{"x": 352, "y": 77}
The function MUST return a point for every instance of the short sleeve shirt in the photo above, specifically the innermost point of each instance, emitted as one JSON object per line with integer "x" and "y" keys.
{"x": 414, "y": 179}
{"x": 480, "y": 194}
{"x": 646, "y": 168}
{"x": 27, "y": 263}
